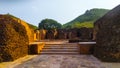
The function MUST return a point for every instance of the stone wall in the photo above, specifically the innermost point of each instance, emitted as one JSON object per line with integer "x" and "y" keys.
{"x": 30, "y": 31}
{"x": 13, "y": 39}
{"x": 62, "y": 34}
{"x": 51, "y": 34}
{"x": 37, "y": 36}
{"x": 43, "y": 34}
{"x": 84, "y": 34}
{"x": 73, "y": 34}
{"x": 107, "y": 32}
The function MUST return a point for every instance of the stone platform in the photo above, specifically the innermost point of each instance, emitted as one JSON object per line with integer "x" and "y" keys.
{"x": 62, "y": 61}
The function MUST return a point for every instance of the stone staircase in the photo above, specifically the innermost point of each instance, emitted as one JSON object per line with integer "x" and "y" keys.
{"x": 70, "y": 48}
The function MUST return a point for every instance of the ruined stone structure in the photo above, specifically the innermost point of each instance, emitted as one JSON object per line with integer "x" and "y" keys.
{"x": 42, "y": 34}
{"x": 73, "y": 34}
{"x": 62, "y": 34}
{"x": 13, "y": 39}
{"x": 84, "y": 34}
{"x": 37, "y": 36}
{"x": 107, "y": 32}
{"x": 51, "y": 34}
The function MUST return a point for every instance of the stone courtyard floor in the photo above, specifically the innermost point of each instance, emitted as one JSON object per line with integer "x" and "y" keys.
{"x": 58, "y": 61}
{"x": 62, "y": 61}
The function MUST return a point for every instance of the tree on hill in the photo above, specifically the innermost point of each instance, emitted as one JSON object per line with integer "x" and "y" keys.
{"x": 49, "y": 24}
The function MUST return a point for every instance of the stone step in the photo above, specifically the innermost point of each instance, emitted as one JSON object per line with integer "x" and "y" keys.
{"x": 60, "y": 50}
{"x": 65, "y": 53}
{"x": 63, "y": 45}
{"x": 59, "y": 47}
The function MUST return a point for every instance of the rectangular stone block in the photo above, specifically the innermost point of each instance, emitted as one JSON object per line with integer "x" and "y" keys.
{"x": 36, "y": 48}
{"x": 87, "y": 47}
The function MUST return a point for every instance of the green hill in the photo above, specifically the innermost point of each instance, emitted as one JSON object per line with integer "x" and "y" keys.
{"x": 86, "y": 19}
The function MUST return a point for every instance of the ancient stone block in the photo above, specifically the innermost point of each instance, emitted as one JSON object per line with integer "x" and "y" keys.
{"x": 36, "y": 48}
{"x": 87, "y": 47}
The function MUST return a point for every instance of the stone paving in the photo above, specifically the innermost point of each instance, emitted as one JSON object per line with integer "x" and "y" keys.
{"x": 62, "y": 61}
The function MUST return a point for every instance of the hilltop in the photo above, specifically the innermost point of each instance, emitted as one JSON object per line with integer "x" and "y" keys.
{"x": 87, "y": 19}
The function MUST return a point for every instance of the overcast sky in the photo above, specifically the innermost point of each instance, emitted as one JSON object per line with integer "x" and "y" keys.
{"x": 33, "y": 11}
